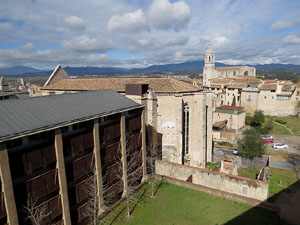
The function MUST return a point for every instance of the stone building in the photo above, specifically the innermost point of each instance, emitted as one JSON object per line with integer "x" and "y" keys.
{"x": 210, "y": 71}
{"x": 179, "y": 115}
{"x": 51, "y": 146}
{"x": 227, "y": 120}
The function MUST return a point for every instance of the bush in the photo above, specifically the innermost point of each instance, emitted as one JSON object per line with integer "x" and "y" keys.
{"x": 248, "y": 120}
{"x": 213, "y": 166}
{"x": 264, "y": 130}
{"x": 281, "y": 121}
{"x": 269, "y": 125}
{"x": 224, "y": 143}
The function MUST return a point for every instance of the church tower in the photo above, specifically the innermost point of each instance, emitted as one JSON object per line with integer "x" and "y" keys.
{"x": 209, "y": 66}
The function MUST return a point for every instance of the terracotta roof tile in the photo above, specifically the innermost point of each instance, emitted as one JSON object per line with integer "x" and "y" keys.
{"x": 164, "y": 85}
{"x": 228, "y": 67}
{"x": 220, "y": 81}
{"x": 271, "y": 87}
{"x": 238, "y": 86}
{"x": 220, "y": 124}
{"x": 229, "y": 107}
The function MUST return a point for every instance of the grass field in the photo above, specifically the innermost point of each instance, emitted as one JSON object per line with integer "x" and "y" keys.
{"x": 280, "y": 130}
{"x": 178, "y": 205}
{"x": 281, "y": 178}
{"x": 293, "y": 122}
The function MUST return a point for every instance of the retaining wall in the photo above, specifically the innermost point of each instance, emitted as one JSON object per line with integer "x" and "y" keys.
{"x": 241, "y": 186}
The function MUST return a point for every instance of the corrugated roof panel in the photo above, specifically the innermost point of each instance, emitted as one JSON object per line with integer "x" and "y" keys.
{"x": 30, "y": 114}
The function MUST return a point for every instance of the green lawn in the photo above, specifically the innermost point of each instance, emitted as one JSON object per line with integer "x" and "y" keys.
{"x": 280, "y": 130}
{"x": 178, "y": 205}
{"x": 281, "y": 178}
{"x": 293, "y": 122}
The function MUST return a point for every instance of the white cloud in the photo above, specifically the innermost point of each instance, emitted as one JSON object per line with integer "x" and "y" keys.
{"x": 291, "y": 40}
{"x": 29, "y": 47}
{"x": 177, "y": 40}
{"x": 5, "y": 26}
{"x": 85, "y": 44}
{"x": 129, "y": 22}
{"x": 282, "y": 25}
{"x": 74, "y": 23}
{"x": 165, "y": 15}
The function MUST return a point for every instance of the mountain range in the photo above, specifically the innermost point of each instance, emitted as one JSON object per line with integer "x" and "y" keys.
{"x": 22, "y": 71}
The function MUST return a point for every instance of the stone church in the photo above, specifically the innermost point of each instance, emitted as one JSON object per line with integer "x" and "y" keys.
{"x": 210, "y": 71}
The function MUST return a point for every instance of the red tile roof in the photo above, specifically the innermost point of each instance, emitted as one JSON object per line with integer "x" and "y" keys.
{"x": 159, "y": 85}
{"x": 229, "y": 107}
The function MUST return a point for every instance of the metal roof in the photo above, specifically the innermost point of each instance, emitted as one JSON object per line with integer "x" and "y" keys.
{"x": 30, "y": 115}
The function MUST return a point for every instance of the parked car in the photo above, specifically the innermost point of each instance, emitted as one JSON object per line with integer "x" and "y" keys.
{"x": 280, "y": 146}
{"x": 235, "y": 151}
{"x": 267, "y": 139}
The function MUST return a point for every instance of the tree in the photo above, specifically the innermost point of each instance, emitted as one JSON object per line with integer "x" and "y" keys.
{"x": 91, "y": 189}
{"x": 233, "y": 101}
{"x": 133, "y": 175}
{"x": 258, "y": 118}
{"x": 36, "y": 213}
{"x": 250, "y": 144}
{"x": 153, "y": 153}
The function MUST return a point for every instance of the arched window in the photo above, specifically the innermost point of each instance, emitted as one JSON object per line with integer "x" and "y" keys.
{"x": 234, "y": 73}
{"x": 246, "y": 73}
{"x": 186, "y": 120}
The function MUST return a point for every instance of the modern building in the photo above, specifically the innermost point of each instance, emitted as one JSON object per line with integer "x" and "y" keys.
{"x": 51, "y": 146}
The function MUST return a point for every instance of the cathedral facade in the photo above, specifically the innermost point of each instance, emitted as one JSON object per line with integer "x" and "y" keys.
{"x": 210, "y": 71}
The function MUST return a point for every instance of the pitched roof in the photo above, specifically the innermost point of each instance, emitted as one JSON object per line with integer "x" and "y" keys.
{"x": 229, "y": 67}
{"x": 220, "y": 124}
{"x": 24, "y": 116}
{"x": 229, "y": 107}
{"x": 237, "y": 86}
{"x": 159, "y": 85}
{"x": 271, "y": 87}
{"x": 220, "y": 80}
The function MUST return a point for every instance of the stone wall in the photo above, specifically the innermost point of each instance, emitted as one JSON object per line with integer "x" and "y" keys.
{"x": 245, "y": 187}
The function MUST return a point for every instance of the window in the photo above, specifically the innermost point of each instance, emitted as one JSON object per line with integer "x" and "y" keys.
{"x": 249, "y": 98}
{"x": 272, "y": 97}
{"x": 298, "y": 92}
{"x": 265, "y": 97}
{"x": 297, "y": 98}
{"x": 186, "y": 128}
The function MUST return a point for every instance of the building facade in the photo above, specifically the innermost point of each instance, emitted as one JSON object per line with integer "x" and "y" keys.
{"x": 211, "y": 72}
{"x": 178, "y": 114}
{"x": 53, "y": 146}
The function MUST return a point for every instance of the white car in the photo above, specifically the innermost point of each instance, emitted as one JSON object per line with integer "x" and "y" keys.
{"x": 280, "y": 146}
{"x": 235, "y": 151}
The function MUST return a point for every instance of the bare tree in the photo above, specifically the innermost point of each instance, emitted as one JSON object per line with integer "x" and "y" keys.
{"x": 91, "y": 190}
{"x": 36, "y": 213}
{"x": 152, "y": 155}
{"x": 133, "y": 176}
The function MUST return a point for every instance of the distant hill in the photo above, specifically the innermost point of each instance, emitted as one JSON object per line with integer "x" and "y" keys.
{"x": 18, "y": 70}
{"x": 22, "y": 71}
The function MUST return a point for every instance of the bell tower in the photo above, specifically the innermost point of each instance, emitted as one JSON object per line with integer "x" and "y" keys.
{"x": 209, "y": 66}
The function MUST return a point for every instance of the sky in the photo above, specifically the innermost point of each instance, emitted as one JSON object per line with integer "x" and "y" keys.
{"x": 139, "y": 33}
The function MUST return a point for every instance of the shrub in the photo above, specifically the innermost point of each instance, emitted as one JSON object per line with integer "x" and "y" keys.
{"x": 264, "y": 130}
{"x": 248, "y": 120}
{"x": 280, "y": 121}
{"x": 213, "y": 166}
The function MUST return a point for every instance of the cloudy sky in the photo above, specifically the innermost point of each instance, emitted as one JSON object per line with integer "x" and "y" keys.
{"x": 139, "y": 33}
